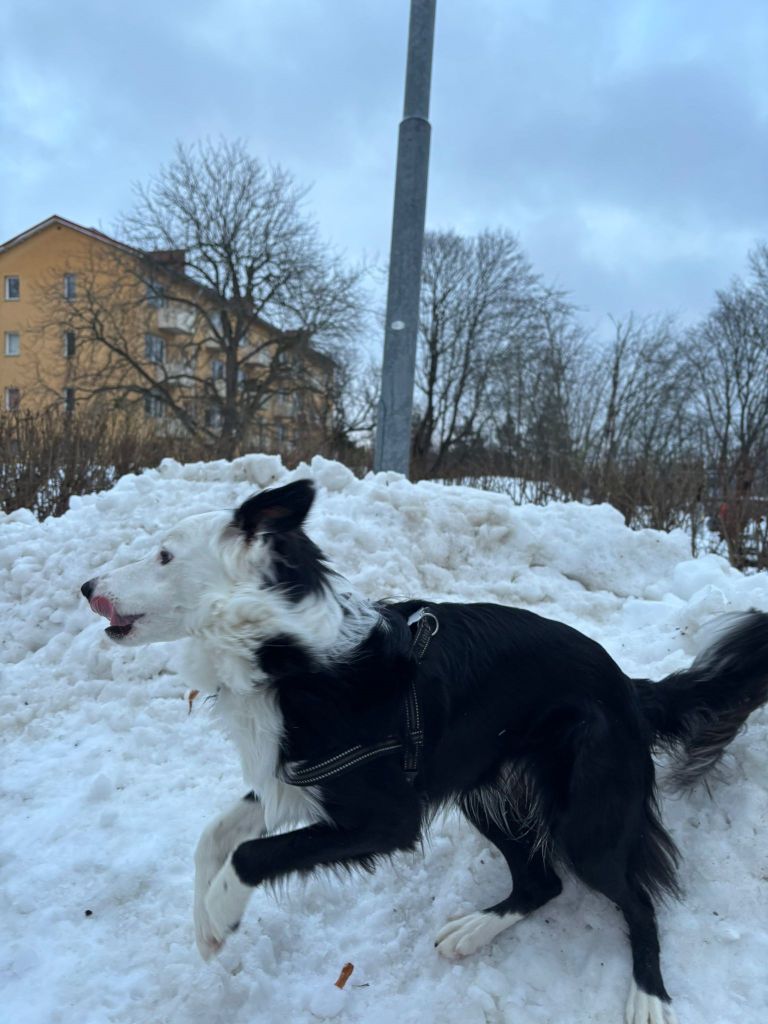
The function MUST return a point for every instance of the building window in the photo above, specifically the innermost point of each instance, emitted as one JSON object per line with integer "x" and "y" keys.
{"x": 153, "y": 405}
{"x": 12, "y": 288}
{"x": 12, "y": 399}
{"x": 69, "y": 399}
{"x": 69, "y": 344}
{"x": 154, "y": 348}
{"x": 12, "y": 343}
{"x": 155, "y": 295}
{"x": 217, "y": 369}
{"x": 70, "y": 286}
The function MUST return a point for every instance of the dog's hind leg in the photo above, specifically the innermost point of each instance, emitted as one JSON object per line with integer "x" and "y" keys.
{"x": 534, "y": 884}
{"x": 244, "y": 820}
{"x": 613, "y": 839}
{"x": 648, "y": 1001}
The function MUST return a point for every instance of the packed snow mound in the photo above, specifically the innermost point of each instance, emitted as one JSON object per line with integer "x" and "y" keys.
{"x": 108, "y": 778}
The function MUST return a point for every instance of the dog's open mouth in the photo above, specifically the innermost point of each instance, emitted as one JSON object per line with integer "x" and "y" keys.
{"x": 119, "y": 625}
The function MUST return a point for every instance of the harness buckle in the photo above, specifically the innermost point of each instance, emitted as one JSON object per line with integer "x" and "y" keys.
{"x": 425, "y": 613}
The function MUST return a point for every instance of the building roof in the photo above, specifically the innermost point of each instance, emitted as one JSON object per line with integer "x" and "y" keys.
{"x": 64, "y": 223}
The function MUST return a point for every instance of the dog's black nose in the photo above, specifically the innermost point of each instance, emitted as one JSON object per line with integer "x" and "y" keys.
{"x": 87, "y": 589}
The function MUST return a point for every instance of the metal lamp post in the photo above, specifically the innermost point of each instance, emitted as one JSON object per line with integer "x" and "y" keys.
{"x": 393, "y": 428}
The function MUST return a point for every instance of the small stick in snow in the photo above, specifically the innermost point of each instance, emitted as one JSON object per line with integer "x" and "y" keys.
{"x": 189, "y": 696}
{"x": 343, "y": 978}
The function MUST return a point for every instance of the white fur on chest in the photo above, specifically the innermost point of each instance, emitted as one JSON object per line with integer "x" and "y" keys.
{"x": 251, "y": 715}
{"x": 255, "y": 725}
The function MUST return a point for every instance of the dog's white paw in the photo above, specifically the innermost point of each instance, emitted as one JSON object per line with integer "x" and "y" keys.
{"x": 207, "y": 943}
{"x": 244, "y": 820}
{"x": 224, "y": 906}
{"x": 645, "y": 1009}
{"x": 208, "y": 863}
{"x": 465, "y": 935}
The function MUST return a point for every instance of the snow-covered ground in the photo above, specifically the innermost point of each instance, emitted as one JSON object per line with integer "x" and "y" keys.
{"x": 107, "y": 780}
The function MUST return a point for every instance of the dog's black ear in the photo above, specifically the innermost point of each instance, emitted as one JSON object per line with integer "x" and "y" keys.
{"x": 276, "y": 510}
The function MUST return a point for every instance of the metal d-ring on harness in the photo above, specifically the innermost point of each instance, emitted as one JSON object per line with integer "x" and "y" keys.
{"x": 427, "y": 625}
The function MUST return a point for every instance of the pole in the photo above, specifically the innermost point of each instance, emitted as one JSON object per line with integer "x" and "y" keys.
{"x": 393, "y": 428}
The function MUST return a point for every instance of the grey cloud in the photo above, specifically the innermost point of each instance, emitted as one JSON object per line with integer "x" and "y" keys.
{"x": 589, "y": 128}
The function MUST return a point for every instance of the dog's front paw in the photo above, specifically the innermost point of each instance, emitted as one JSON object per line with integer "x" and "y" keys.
{"x": 208, "y": 945}
{"x": 206, "y": 868}
{"x": 224, "y": 906}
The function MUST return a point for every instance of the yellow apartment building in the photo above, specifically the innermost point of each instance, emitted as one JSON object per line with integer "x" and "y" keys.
{"x": 86, "y": 317}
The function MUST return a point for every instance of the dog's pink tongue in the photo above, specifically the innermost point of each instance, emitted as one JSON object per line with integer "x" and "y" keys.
{"x": 103, "y": 606}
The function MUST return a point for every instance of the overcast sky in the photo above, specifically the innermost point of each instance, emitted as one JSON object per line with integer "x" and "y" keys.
{"x": 623, "y": 141}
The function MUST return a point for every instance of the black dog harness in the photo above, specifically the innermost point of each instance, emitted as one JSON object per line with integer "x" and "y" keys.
{"x": 427, "y": 626}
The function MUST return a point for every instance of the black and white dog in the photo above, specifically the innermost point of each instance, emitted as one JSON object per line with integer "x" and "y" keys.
{"x": 356, "y": 721}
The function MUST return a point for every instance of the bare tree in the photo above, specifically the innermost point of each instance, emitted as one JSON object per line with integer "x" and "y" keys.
{"x": 729, "y": 362}
{"x": 219, "y": 251}
{"x": 643, "y": 388}
{"x": 479, "y": 297}
{"x": 542, "y": 401}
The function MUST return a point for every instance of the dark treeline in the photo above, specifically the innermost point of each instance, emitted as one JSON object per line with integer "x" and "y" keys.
{"x": 669, "y": 425}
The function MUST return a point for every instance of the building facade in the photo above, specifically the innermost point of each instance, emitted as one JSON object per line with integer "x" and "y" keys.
{"x": 84, "y": 318}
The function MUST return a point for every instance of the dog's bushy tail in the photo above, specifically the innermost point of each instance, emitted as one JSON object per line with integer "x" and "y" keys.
{"x": 696, "y": 713}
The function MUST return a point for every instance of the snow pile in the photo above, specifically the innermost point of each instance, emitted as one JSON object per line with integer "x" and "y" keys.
{"x": 108, "y": 779}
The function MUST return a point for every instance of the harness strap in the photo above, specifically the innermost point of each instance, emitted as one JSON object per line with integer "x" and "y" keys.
{"x": 308, "y": 775}
{"x": 427, "y": 623}
{"x": 341, "y": 763}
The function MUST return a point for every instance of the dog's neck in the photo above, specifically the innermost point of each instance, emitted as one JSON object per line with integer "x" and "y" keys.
{"x": 243, "y": 640}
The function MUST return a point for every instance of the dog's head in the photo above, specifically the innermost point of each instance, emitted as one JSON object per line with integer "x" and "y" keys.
{"x": 247, "y": 566}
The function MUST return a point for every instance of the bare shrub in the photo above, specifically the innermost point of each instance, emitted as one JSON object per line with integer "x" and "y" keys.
{"x": 47, "y": 457}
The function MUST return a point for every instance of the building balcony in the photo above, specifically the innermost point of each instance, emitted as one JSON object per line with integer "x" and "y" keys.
{"x": 182, "y": 372}
{"x": 176, "y": 318}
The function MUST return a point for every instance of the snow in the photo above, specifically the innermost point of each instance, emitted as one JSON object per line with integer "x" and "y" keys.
{"x": 110, "y": 772}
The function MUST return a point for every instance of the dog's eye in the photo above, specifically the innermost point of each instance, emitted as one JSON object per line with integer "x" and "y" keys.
{"x": 165, "y": 556}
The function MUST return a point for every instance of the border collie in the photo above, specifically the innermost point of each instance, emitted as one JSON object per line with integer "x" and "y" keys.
{"x": 356, "y": 721}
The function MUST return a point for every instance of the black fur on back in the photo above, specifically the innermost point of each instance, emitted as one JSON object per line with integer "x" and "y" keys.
{"x": 530, "y": 729}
